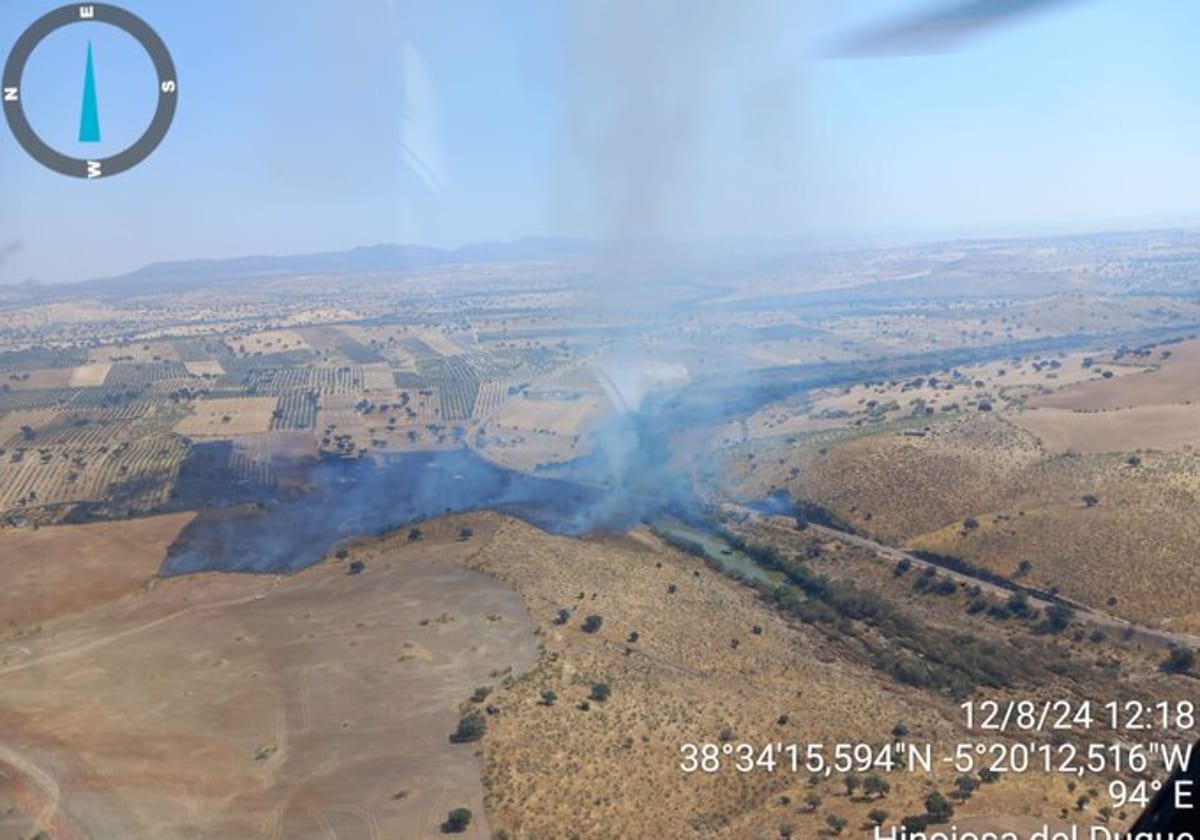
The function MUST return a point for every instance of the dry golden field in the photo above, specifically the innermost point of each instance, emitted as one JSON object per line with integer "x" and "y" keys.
{"x": 226, "y": 417}
{"x": 134, "y": 351}
{"x": 35, "y": 379}
{"x": 90, "y": 375}
{"x": 54, "y": 572}
{"x": 268, "y": 341}
{"x": 564, "y": 417}
{"x": 525, "y": 450}
{"x": 205, "y": 367}
{"x": 242, "y": 706}
{"x": 1159, "y": 427}
{"x": 1172, "y": 380}
{"x": 12, "y": 423}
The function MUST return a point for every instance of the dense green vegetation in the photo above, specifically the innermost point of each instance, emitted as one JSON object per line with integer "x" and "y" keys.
{"x": 470, "y": 728}
{"x": 913, "y": 653}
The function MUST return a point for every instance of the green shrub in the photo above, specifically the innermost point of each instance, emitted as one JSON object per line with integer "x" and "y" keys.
{"x": 471, "y": 727}
{"x": 1180, "y": 660}
{"x": 457, "y": 821}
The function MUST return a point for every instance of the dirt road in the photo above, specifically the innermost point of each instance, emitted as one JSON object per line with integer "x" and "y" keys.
{"x": 1083, "y": 613}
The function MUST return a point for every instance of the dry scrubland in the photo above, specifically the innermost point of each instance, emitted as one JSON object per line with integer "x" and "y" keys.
{"x": 1094, "y": 500}
{"x": 319, "y": 705}
{"x": 1007, "y": 383}
{"x": 612, "y": 770}
{"x": 239, "y": 706}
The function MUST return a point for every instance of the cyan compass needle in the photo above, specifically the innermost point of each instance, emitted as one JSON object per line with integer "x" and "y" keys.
{"x": 89, "y": 119}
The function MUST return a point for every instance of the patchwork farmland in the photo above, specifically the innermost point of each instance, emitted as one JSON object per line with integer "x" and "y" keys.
{"x": 102, "y": 430}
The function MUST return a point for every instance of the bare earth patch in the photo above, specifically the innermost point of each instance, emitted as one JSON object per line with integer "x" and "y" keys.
{"x": 241, "y": 706}
{"x": 205, "y": 367}
{"x": 90, "y": 375}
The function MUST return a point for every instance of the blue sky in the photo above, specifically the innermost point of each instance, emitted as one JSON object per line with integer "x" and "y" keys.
{"x": 305, "y": 126}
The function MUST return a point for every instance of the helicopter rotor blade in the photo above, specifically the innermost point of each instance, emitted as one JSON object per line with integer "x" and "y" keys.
{"x": 939, "y": 30}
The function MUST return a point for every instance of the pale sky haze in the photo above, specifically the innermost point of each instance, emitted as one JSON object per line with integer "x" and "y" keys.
{"x": 313, "y": 125}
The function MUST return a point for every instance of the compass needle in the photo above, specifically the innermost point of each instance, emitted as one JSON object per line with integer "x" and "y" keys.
{"x": 89, "y": 118}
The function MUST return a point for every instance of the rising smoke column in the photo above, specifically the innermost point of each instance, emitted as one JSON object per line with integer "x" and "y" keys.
{"x": 682, "y": 124}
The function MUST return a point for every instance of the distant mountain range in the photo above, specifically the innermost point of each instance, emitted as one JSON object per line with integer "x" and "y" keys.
{"x": 171, "y": 276}
{"x": 738, "y": 255}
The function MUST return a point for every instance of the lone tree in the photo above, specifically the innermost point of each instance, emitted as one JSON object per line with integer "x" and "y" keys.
{"x": 836, "y": 823}
{"x": 938, "y": 808}
{"x": 548, "y": 697}
{"x": 592, "y": 623}
{"x": 876, "y": 786}
{"x": 1058, "y": 618}
{"x": 1180, "y": 660}
{"x": 471, "y": 727}
{"x": 457, "y": 821}
{"x": 1018, "y": 603}
{"x": 964, "y": 786}
{"x": 601, "y": 692}
{"x": 877, "y": 816}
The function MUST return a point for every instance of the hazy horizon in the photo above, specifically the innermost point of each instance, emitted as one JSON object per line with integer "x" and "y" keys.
{"x": 760, "y": 246}
{"x": 326, "y": 129}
